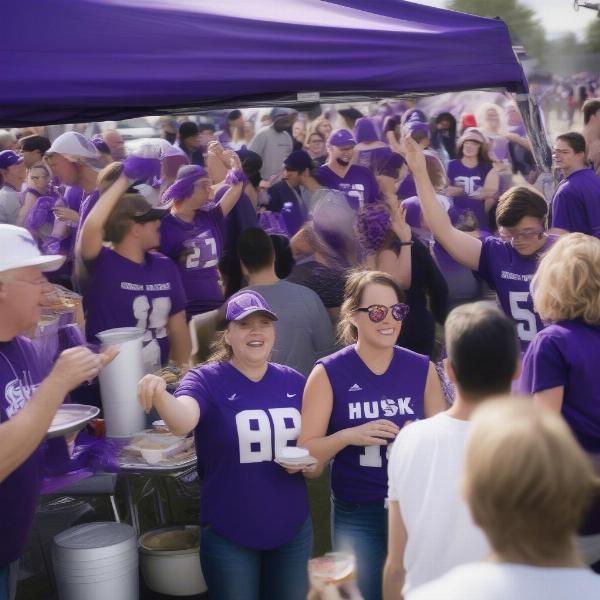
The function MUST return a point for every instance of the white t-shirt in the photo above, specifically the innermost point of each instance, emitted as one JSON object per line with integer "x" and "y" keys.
{"x": 425, "y": 472}
{"x": 493, "y": 581}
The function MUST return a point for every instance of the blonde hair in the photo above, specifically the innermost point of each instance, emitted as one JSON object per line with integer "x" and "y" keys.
{"x": 356, "y": 283}
{"x": 220, "y": 350}
{"x": 566, "y": 285}
{"x": 481, "y": 116}
{"x": 527, "y": 481}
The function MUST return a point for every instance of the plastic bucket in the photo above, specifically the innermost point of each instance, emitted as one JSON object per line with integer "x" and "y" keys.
{"x": 123, "y": 414}
{"x": 175, "y": 571}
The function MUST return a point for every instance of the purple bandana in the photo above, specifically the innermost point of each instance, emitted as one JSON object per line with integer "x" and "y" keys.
{"x": 183, "y": 187}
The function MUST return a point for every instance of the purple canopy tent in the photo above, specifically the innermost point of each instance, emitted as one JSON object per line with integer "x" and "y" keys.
{"x": 94, "y": 60}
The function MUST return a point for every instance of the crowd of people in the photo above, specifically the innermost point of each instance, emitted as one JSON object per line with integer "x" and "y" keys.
{"x": 450, "y": 280}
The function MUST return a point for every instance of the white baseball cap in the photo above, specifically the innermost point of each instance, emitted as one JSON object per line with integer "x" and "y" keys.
{"x": 19, "y": 250}
{"x": 72, "y": 145}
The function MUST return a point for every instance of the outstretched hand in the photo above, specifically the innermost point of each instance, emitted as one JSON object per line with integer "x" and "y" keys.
{"x": 413, "y": 154}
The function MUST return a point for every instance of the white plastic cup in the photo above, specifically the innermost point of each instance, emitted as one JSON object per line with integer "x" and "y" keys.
{"x": 123, "y": 414}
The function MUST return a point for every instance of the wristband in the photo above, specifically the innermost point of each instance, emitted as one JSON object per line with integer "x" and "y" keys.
{"x": 407, "y": 243}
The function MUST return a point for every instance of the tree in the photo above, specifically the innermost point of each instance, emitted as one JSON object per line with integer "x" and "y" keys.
{"x": 522, "y": 22}
{"x": 592, "y": 37}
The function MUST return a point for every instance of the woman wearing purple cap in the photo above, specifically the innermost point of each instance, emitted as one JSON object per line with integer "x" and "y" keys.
{"x": 354, "y": 404}
{"x": 473, "y": 180}
{"x": 256, "y": 530}
{"x": 193, "y": 232}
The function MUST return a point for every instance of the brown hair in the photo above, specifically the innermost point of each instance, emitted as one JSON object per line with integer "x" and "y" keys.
{"x": 518, "y": 202}
{"x": 356, "y": 283}
{"x": 590, "y": 108}
{"x": 108, "y": 175}
{"x": 566, "y": 285}
{"x": 575, "y": 140}
{"x": 118, "y": 224}
{"x": 220, "y": 350}
{"x": 527, "y": 481}
{"x": 483, "y": 154}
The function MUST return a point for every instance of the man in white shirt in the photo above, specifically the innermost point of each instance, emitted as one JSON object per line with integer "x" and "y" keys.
{"x": 430, "y": 529}
{"x": 527, "y": 483}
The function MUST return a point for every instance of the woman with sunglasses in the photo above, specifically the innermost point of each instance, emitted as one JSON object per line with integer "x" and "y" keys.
{"x": 355, "y": 402}
{"x": 507, "y": 264}
{"x": 193, "y": 232}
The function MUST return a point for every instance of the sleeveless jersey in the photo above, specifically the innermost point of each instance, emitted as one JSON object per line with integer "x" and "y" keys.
{"x": 359, "y": 473}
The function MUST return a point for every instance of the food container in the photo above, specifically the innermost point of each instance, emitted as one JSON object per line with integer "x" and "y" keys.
{"x": 170, "y": 560}
{"x": 157, "y": 447}
{"x": 123, "y": 414}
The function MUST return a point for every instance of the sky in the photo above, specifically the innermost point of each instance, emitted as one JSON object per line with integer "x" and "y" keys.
{"x": 557, "y": 16}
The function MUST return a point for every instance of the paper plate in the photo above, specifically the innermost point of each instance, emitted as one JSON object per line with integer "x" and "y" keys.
{"x": 71, "y": 417}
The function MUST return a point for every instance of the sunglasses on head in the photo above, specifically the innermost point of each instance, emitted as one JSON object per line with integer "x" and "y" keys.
{"x": 378, "y": 312}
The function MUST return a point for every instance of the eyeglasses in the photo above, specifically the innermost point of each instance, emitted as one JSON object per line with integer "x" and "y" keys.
{"x": 526, "y": 235}
{"x": 378, "y": 312}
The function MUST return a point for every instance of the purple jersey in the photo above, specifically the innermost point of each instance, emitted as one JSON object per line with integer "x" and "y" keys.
{"x": 567, "y": 354}
{"x": 471, "y": 180}
{"x": 19, "y": 377}
{"x": 118, "y": 292}
{"x": 576, "y": 203}
{"x": 359, "y": 473}
{"x": 196, "y": 247}
{"x": 246, "y": 497}
{"x": 509, "y": 274}
{"x": 359, "y": 185}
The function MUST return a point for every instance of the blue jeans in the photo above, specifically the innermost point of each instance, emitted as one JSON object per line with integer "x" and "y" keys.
{"x": 362, "y": 529}
{"x": 8, "y": 581}
{"x": 233, "y": 572}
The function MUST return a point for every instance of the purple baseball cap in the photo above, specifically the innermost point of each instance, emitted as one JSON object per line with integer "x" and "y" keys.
{"x": 245, "y": 303}
{"x": 341, "y": 137}
{"x": 8, "y": 158}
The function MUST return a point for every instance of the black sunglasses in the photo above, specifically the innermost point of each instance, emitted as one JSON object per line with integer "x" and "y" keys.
{"x": 378, "y": 312}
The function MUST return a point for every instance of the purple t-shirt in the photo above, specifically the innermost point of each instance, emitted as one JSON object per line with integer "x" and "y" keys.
{"x": 196, "y": 248}
{"x": 567, "y": 353}
{"x": 246, "y": 497}
{"x": 359, "y": 184}
{"x": 509, "y": 274}
{"x": 19, "y": 378}
{"x": 471, "y": 179}
{"x": 359, "y": 473}
{"x": 576, "y": 203}
{"x": 118, "y": 292}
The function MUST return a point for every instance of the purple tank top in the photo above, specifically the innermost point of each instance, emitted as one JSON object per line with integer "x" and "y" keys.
{"x": 359, "y": 473}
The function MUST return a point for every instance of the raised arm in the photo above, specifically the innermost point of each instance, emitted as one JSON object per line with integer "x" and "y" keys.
{"x": 235, "y": 179}
{"x": 92, "y": 232}
{"x": 464, "y": 248}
